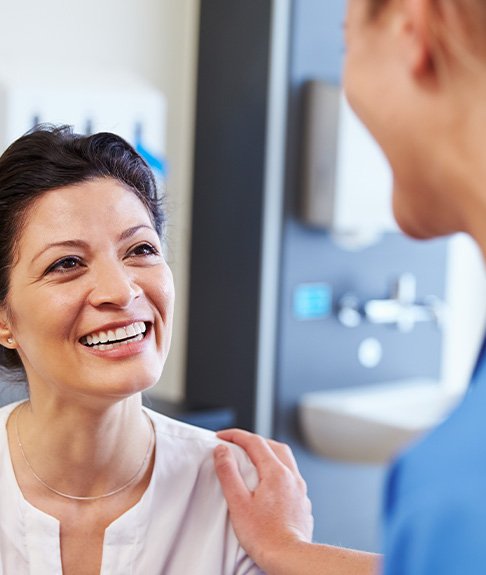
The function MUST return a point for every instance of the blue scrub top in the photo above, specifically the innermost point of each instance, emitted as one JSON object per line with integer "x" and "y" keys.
{"x": 435, "y": 504}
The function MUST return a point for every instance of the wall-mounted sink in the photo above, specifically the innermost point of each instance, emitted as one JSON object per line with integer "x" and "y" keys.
{"x": 370, "y": 424}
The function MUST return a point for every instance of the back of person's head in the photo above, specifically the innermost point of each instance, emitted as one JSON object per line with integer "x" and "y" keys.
{"x": 49, "y": 158}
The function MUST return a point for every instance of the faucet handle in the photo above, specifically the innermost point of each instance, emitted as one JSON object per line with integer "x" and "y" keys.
{"x": 348, "y": 310}
{"x": 405, "y": 289}
{"x": 401, "y": 309}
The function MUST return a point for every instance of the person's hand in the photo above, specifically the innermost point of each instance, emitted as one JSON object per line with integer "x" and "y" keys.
{"x": 278, "y": 512}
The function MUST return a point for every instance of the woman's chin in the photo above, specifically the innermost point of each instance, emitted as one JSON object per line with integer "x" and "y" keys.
{"x": 416, "y": 228}
{"x": 412, "y": 231}
{"x": 119, "y": 387}
{"x": 414, "y": 222}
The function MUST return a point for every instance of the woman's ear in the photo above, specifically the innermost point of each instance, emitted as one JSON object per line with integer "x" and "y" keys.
{"x": 436, "y": 36}
{"x": 419, "y": 27}
{"x": 6, "y": 337}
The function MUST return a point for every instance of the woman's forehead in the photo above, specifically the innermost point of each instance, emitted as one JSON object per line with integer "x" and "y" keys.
{"x": 92, "y": 207}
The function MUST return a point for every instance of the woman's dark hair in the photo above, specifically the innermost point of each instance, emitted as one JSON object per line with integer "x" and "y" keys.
{"x": 51, "y": 157}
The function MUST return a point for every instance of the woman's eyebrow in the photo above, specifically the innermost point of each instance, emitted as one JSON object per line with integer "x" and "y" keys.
{"x": 128, "y": 233}
{"x": 64, "y": 243}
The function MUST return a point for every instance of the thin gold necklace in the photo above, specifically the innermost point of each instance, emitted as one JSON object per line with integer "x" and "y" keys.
{"x": 77, "y": 497}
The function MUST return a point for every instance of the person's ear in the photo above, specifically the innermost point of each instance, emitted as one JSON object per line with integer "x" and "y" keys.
{"x": 419, "y": 29}
{"x": 6, "y": 337}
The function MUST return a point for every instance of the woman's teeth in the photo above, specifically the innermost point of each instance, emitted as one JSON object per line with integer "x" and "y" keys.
{"x": 104, "y": 340}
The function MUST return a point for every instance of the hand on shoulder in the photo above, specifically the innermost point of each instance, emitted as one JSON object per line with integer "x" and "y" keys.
{"x": 277, "y": 513}
{"x": 274, "y": 522}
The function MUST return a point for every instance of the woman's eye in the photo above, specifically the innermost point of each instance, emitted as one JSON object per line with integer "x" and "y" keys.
{"x": 65, "y": 265}
{"x": 144, "y": 249}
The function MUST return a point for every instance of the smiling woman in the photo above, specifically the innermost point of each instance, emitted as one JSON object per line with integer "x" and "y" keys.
{"x": 91, "y": 482}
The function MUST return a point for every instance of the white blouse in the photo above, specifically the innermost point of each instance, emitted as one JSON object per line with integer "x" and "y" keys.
{"x": 180, "y": 526}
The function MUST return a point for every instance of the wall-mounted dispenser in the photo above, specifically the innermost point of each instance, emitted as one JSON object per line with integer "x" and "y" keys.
{"x": 346, "y": 181}
{"x": 89, "y": 101}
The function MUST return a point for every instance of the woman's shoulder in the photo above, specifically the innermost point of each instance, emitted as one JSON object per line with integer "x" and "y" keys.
{"x": 5, "y": 412}
{"x": 179, "y": 437}
{"x": 180, "y": 430}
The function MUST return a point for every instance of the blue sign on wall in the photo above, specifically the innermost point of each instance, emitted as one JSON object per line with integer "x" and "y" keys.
{"x": 312, "y": 301}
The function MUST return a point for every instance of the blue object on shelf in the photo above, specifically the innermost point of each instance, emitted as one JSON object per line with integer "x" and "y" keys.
{"x": 156, "y": 163}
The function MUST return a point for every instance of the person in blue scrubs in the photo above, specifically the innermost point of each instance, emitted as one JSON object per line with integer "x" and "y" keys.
{"x": 415, "y": 72}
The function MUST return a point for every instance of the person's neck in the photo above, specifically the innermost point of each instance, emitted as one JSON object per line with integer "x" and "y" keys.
{"x": 467, "y": 170}
{"x": 457, "y": 163}
{"x": 81, "y": 450}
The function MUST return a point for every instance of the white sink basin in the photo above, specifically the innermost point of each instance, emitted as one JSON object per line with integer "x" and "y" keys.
{"x": 370, "y": 424}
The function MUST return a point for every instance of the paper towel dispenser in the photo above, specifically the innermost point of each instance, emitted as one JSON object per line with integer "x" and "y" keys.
{"x": 346, "y": 181}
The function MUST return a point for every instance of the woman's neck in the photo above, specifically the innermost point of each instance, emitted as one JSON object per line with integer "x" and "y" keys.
{"x": 454, "y": 161}
{"x": 82, "y": 451}
{"x": 466, "y": 177}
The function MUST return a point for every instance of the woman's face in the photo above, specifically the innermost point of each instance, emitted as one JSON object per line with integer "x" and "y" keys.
{"x": 91, "y": 297}
{"x": 358, "y": 64}
{"x": 381, "y": 89}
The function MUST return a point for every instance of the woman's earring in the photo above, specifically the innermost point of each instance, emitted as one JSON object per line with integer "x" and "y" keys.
{"x": 10, "y": 340}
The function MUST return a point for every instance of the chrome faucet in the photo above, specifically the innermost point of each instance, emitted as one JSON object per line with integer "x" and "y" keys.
{"x": 400, "y": 310}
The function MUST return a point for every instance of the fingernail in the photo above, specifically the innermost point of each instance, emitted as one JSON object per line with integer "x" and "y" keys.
{"x": 220, "y": 450}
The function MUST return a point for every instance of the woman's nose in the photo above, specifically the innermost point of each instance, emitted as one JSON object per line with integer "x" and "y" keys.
{"x": 113, "y": 285}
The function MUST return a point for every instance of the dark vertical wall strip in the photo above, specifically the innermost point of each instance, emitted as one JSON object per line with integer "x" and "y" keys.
{"x": 227, "y": 203}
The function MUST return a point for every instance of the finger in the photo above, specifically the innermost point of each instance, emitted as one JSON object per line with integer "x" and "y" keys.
{"x": 284, "y": 453}
{"x": 257, "y": 448}
{"x": 233, "y": 433}
{"x": 234, "y": 488}
{"x": 258, "y": 454}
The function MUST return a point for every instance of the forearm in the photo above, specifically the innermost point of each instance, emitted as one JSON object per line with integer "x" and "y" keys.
{"x": 314, "y": 559}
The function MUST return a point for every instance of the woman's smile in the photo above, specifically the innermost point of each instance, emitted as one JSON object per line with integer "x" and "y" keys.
{"x": 114, "y": 334}
{"x": 119, "y": 342}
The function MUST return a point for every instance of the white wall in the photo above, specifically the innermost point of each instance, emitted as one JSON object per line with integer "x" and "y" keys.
{"x": 466, "y": 286}
{"x": 156, "y": 39}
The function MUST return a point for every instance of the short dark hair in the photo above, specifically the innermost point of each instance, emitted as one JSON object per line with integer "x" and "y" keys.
{"x": 50, "y": 157}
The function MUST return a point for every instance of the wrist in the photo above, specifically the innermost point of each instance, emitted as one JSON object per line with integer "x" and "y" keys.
{"x": 297, "y": 556}
{"x": 286, "y": 558}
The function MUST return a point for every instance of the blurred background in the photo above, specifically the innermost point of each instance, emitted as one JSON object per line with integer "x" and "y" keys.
{"x": 301, "y": 311}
